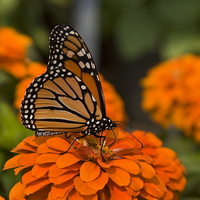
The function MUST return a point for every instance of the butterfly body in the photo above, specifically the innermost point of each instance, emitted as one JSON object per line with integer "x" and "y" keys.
{"x": 68, "y": 97}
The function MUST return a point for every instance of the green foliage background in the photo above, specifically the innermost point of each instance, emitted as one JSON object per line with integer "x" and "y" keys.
{"x": 135, "y": 36}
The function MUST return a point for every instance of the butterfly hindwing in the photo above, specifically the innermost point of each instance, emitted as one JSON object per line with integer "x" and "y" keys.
{"x": 68, "y": 50}
{"x": 58, "y": 102}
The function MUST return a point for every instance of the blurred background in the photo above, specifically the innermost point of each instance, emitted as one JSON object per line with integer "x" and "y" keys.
{"x": 126, "y": 38}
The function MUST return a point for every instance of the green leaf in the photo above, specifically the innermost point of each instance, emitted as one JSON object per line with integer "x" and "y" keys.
{"x": 181, "y": 13}
{"x": 11, "y": 130}
{"x": 136, "y": 32}
{"x": 180, "y": 41}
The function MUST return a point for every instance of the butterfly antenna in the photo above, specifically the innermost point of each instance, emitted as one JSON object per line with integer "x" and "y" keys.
{"x": 131, "y": 134}
{"x": 120, "y": 122}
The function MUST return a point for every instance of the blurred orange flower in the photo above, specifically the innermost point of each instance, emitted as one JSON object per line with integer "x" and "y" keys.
{"x": 171, "y": 94}
{"x": 125, "y": 172}
{"x": 13, "y": 49}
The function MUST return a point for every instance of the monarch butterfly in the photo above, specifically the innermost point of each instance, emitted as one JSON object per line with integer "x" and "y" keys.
{"x": 68, "y": 97}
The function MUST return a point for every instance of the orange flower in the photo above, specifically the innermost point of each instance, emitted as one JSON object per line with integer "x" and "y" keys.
{"x": 171, "y": 94}
{"x": 118, "y": 170}
{"x": 13, "y": 49}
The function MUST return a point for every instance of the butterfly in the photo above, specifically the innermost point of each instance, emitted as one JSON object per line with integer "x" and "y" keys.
{"x": 68, "y": 97}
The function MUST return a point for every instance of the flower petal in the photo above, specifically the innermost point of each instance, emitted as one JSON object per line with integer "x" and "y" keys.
{"x": 17, "y": 192}
{"x": 118, "y": 193}
{"x": 82, "y": 187}
{"x": 63, "y": 178}
{"x": 58, "y": 143}
{"x": 75, "y": 195}
{"x": 128, "y": 165}
{"x": 12, "y": 163}
{"x": 147, "y": 171}
{"x": 60, "y": 191}
{"x": 43, "y": 148}
{"x": 100, "y": 182}
{"x": 136, "y": 183}
{"x": 28, "y": 159}
{"x": 106, "y": 164}
{"x": 40, "y": 170}
{"x": 67, "y": 159}
{"x": 47, "y": 158}
{"x": 89, "y": 171}
{"x": 40, "y": 194}
{"x": 119, "y": 176}
{"x": 36, "y": 185}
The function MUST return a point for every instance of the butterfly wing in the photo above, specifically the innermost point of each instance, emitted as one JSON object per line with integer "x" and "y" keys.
{"x": 58, "y": 102}
{"x": 68, "y": 50}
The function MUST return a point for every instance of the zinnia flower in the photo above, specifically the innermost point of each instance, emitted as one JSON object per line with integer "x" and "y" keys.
{"x": 171, "y": 94}
{"x": 118, "y": 170}
{"x": 13, "y": 50}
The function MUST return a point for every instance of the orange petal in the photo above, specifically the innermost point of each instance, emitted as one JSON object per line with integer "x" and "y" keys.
{"x": 40, "y": 194}
{"x": 147, "y": 171}
{"x": 24, "y": 148}
{"x": 128, "y": 165}
{"x": 28, "y": 159}
{"x": 1, "y": 198}
{"x": 75, "y": 195}
{"x": 169, "y": 153}
{"x": 106, "y": 164}
{"x": 12, "y": 163}
{"x": 89, "y": 171}
{"x": 43, "y": 148}
{"x": 119, "y": 176}
{"x": 17, "y": 192}
{"x": 54, "y": 171}
{"x": 153, "y": 190}
{"x": 58, "y": 143}
{"x": 40, "y": 170}
{"x": 103, "y": 194}
{"x": 132, "y": 192}
{"x": 36, "y": 185}
{"x": 136, "y": 183}
{"x": 67, "y": 159}
{"x": 27, "y": 178}
{"x": 82, "y": 187}
{"x": 60, "y": 191}
{"x": 63, "y": 178}
{"x": 100, "y": 182}
{"x": 18, "y": 169}
{"x": 118, "y": 193}
{"x": 146, "y": 195}
{"x": 47, "y": 158}
{"x": 155, "y": 187}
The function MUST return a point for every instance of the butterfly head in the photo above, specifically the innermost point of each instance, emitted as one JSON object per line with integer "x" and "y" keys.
{"x": 96, "y": 126}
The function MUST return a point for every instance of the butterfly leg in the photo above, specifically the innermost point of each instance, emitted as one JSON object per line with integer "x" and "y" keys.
{"x": 75, "y": 139}
{"x": 67, "y": 135}
{"x": 115, "y": 139}
{"x": 102, "y": 144}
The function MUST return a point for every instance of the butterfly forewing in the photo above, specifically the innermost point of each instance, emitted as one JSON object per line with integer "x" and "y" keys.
{"x": 68, "y": 50}
{"x": 60, "y": 102}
